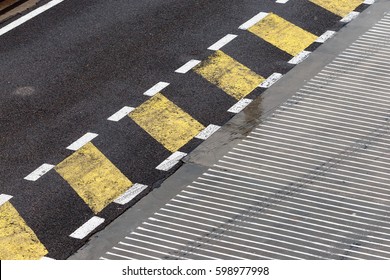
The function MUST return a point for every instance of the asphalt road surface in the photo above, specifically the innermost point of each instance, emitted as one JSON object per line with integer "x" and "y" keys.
{"x": 66, "y": 72}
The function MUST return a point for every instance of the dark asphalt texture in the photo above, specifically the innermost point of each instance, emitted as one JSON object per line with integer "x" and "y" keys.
{"x": 67, "y": 70}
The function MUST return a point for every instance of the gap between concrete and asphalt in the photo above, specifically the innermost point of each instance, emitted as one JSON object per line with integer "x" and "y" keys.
{"x": 209, "y": 152}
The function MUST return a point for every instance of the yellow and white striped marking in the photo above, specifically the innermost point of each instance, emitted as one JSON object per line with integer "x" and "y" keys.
{"x": 234, "y": 78}
{"x": 338, "y": 7}
{"x": 166, "y": 122}
{"x": 95, "y": 179}
{"x": 283, "y": 34}
{"x": 17, "y": 240}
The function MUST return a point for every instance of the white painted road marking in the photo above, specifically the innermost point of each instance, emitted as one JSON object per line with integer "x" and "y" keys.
{"x": 86, "y": 138}
{"x": 351, "y": 16}
{"x": 4, "y": 198}
{"x": 121, "y": 114}
{"x": 207, "y": 132}
{"x": 87, "y": 228}
{"x": 130, "y": 194}
{"x": 39, "y": 172}
{"x": 29, "y": 16}
{"x": 188, "y": 66}
{"x": 253, "y": 21}
{"x": 171, "y": 161}
{"x": 156, "y": 89}
{"x": 300, "y": 57}
{"x": 240, "y": 105}
{"x": 224, "y": 41}
{"x": 271, "y": 80}
{"x": 326, "y": 36}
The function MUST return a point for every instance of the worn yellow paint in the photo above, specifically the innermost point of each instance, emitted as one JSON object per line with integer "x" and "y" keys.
{"x": 94, "y": 178}
{"x": 17, "y": 240}
{"x": 338, "y": 7}
{"x": 283, "y": 34}
{"x": 166, "y": 122}
{"x": 229, "y": 75}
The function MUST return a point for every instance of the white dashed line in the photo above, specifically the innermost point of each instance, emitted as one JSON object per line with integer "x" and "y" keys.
{"x": 207, "y": 132}
{"x": 326, "y": 36}
{"x": 369, "y": 2}
{"x": 240, "y": 105}
{"x": 47, "y": 259}
{"x": 188, "y": 66}
{"x": 171, "y": 161}
{"x": 29, "y": 16}
{"x": 271, "y": 80}
{"x": 253, "y": 21}
{"x": 156, "y": 89}
{"x": 87, "y": 228}
{"x": 39, "y": 172}
{"x": 351, "y": 16}
{"x": 121, "y": 114}
{"x": 224, "y": 41}
{"x": 300, "y": 57}
{"x": 4, "y": 198}
{"x": 282, "y": 1}
{"x": 82, "y": 141}
{"x": 130, "y": 194}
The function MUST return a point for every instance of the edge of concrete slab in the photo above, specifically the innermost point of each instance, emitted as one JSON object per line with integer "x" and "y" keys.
{"x": 208, "y": 153}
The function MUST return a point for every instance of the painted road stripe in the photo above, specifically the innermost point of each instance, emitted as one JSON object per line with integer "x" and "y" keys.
{"x": 29, "y": 16}
{"x": 240, "y": 105}
{"x": 39, "y": 172}
{"x": 4, "y": 198}
{"x": 47, "y": 259}
{"x": 171, "y": 161}
{"x": 93, "y": 177}
{"x": 326, "y": 36}
{"x": 188, "y": 66}
{"x": 271, "y": 80}
{"x": 282, "y": 1}
{"x": 166, "y": 122}
{"x": 17, "y": 240}
{"x": 224, "y": 41}
{"x": 121, "y": 114}
{"x": 232, "y": 77}
{"x": 156, "y": 89}
{"x": 351, "y": 16}
{"x": 369, "y": 2}
{"x": 130, "y": 194}
{"x": 300, "y": 57}
{"x": 207, "y": 132}
{"x": 338, "y": 7}
{"x": 87, "y": 228}
{"x": 253, "y": 21}
{"x": 283, "y": 34}
{"x": 86, "y": 138}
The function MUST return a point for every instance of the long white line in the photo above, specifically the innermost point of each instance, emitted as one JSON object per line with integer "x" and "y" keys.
{"x": 29, "y": 16}
{"x": 191, "y": 220}
{"x": 288, "y": 181}
{"x": 222, "y": 42}
{"x": 39, "y": 172}
{"x": 87, "y": 228}
{"x": 86, "y": 138}
{"x": 301, "y": 172}
{"x": 120, "y": 256}
{"x": 288, "y": 223}
{"x": 200, "y": 248}
{"x": 252, "y": 239}
{"x": 326, "y": 221}
{"x": 135, "y": 246}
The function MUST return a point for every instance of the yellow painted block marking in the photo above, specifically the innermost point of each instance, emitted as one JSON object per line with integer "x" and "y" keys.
{"x": 283, "y": 34}
{"x": 338, "y": 7}
{"x": 229, "y": 75}
{"x": 17, "y": 240}
{"x": 166, "y": 122}
{"x": 95, "y": 179}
